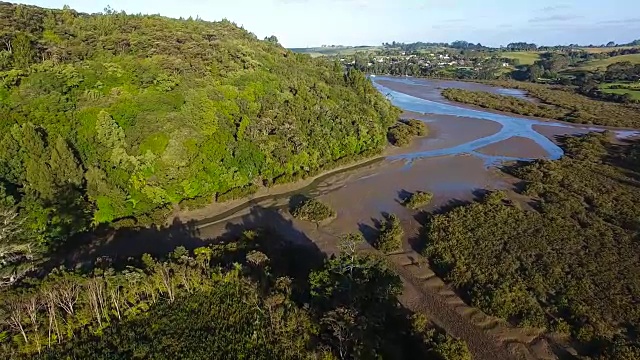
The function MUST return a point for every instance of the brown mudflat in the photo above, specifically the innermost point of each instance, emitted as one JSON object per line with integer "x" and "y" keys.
{"x": 516, "y": 146}
{"x": 429, "y": 89}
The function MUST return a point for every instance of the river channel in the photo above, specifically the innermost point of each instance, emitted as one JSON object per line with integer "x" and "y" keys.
{"x": 458, "y": 160}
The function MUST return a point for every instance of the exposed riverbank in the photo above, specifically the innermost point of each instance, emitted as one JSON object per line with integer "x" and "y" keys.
{"x": 455, "y": 163}
{"x": 284, "y": 190}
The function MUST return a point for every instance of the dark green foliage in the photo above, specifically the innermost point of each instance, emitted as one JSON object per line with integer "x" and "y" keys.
{"x": 356, "y": 296}
{"x": 313, "y": 210}
{"x": 439, "y": 344}
{"x": 237, "y": 193}
{"x": 391, "y": 233}
{"x": 570, "y": 265}
{"x": 418, "y": 128}
{"x": 127, "y": 114}
{"x": 404, "y": 131}
{"x": 560, "y": 103}
{"x": 503, "y": 103}
{"x": 195, "y": 203}
{"x": 400, "y": 135}
{"x": 418, "y": 199}
{"x": 197, "y": 326}
{"x": 233, "y": 299}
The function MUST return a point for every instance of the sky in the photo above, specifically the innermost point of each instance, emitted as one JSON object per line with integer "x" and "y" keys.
{"x": 309, "y": 23}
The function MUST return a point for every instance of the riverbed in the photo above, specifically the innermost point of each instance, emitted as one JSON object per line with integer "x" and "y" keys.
{"x": 458, "y": 161}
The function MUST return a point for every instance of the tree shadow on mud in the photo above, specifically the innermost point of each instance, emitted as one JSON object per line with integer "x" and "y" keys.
{"x": 291, "y": 252}
{"x": 296, "y": 200}
{"x": 371, "y": 233}
{"x": 121, "y": 244}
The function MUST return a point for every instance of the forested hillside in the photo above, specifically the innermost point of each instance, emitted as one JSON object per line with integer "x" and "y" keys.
{"x": 116, "y": 118}
{"x": 572, "y": 264}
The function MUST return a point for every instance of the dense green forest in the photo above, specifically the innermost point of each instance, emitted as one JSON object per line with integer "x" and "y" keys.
{"x": 568, "y": 261}
{"x": 251, "y": 298}
{"x": 115, "y": 119}
{"x": 557, "y": 103}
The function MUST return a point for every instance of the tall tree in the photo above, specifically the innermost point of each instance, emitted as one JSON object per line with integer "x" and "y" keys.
{"x": 23, "y": 53}
{"x": 65, "y": 167}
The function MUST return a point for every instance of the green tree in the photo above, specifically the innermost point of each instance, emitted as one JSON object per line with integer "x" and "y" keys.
{"x": 357, "y": 295}
{"x": 23, "y": 53}
{"x": 65, "y": 167}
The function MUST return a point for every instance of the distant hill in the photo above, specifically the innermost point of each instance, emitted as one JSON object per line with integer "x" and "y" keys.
{"x": 114, "y": 117}
{"x": 523, "y": 57}
{"x": 603, "y": 63}
{"x": 335, "y": 50}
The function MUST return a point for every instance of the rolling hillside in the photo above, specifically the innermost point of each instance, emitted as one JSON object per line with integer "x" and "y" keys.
{"x": 119, "y": 118}
{"x": 603, "y": 63}
{"x": 525, "y": 57}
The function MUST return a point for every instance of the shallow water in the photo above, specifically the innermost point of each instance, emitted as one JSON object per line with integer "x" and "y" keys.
{"x": 511, "y": 126}
{"x": 363, "y": 192}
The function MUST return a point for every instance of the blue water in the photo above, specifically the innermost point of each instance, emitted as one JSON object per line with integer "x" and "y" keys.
{"x": 511, "y": 126}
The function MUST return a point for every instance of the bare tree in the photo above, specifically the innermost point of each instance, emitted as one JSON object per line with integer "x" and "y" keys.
{"x": 49, "y": 299}
{"x": 32, "y": 307}
{"x": 16, "y": 311}
{"x": 95, "y": 290}
{"x": 116, "y": 298}
{"x": 6, "y": 40}
{"x": 66, "y": 294}
{"x": 348, "y": 246}
{"x": 164, "y": 271}
{"x": 339, "y": 325}
{"x": 16, "y": 253}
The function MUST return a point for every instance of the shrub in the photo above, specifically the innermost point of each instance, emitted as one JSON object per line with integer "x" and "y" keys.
{"x": 313, "y": 210}
{"x": 450, "y": 348}
{"x": 400, "y": 135}
{"x": 391, "y": 233}
{"x": 441, "y": 345}
{"x": 403, "y": 132}
{"x": 237, "y": 193}
{"x": 195, "y": 203}
{"x": 417, "y": 127}
{"x": 418, "y": 200}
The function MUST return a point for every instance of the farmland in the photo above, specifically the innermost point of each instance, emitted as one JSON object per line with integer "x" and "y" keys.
{"x": 525, "y": 57}
{"x": 603, "y": 63}
{"x": 599, "y": 50}
{"x": 621, "y": 89}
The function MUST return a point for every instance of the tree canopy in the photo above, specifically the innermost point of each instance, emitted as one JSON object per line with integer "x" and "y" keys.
{"x": 250, "y": 298}
{"x": 113, "y": 117}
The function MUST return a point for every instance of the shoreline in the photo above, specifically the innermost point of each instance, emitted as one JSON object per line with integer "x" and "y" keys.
{"x": 489, "y": 110}
{"x": 209, "y": 212}
{"x": 215, "y": 212}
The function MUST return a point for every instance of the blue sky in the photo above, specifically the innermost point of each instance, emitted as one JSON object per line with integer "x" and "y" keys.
{"x": 302, "y": 23}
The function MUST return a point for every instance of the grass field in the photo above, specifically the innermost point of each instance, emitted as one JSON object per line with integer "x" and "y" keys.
{"x": 633, "y": 90}
{"x": 525, "y": 57}
{"x": 602, "y": 64}
{"x": 605, "y": 49}
{"x": 331, "y": 51}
